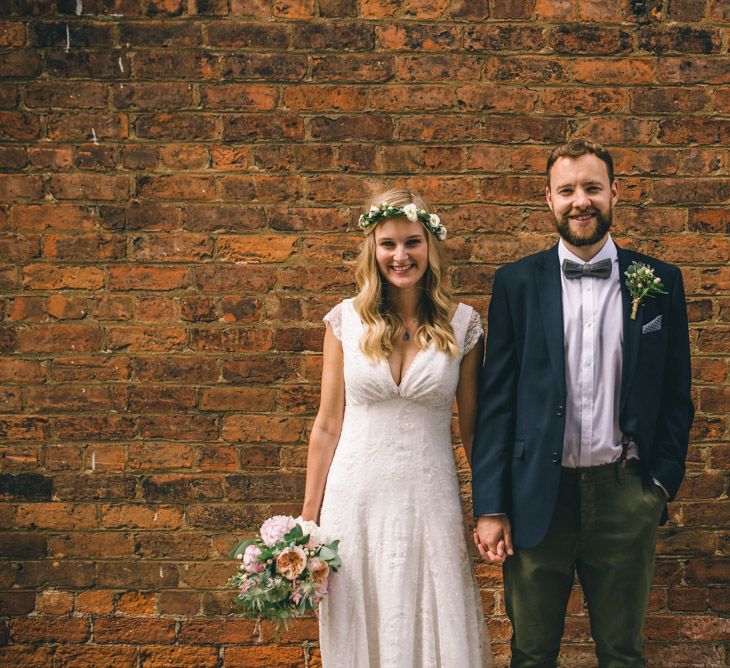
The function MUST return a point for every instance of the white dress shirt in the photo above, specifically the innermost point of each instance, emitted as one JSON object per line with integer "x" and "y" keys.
{"x": 593, "y": 340}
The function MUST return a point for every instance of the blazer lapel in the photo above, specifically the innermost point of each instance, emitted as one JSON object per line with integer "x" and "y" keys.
{"x": 632, "y": 329}
{"x": 550, "y": 291}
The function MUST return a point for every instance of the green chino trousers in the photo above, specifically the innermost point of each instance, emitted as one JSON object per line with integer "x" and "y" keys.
{"x": 603, "y": 528}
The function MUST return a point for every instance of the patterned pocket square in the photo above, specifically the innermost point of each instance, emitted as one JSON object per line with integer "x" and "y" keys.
{"x": 653, "y": 326}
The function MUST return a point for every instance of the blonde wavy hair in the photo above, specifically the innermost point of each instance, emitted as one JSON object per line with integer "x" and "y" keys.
{"x": 382, "y": 324}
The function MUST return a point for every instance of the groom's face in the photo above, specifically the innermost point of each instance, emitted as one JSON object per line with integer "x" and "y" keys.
{"x": 581, "y": 199}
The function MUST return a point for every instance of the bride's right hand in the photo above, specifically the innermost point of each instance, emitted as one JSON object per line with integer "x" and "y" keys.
{"x": 493, "y": 537}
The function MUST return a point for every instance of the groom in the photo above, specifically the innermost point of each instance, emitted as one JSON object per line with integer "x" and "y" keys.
{"x": 583, "y": 426}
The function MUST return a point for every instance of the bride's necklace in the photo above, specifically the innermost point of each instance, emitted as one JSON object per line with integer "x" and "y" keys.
{"x": 406, "y": 335}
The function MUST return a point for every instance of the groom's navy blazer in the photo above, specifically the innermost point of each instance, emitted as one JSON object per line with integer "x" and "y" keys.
{"x": 518, "y": 442}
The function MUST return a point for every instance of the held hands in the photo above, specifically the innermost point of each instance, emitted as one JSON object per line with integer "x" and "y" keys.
{"x": 493, "y": 537}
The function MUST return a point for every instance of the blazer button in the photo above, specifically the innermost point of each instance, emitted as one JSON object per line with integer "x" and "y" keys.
{"x": 560, "y": 411}
{"x": 555, "y": 457}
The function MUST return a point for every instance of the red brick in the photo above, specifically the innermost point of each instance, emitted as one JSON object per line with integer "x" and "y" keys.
{"x": 404, "y": 36}
{"x": 264, "y": 188}
{"x": 16, "y": 603}
{"x": 12, "y": 34}
{"x": 89, "y": 186}
{"x": 50, "y": 277}
{"x": 237, "y": 399}
{"x": 254, "y": 97}
{"x": 26, "y": 656}
{"x": 95, "y": 657}
{"x": 133, "y": 631}
{"x": 57, "y": 398}
{"x": 172, "y": 657}
{"x": 151, "y": 277}
{"x": 31, "y": 309}
{"x": 248, "y": 35}
{"x": 25, "y": 64}
{"x": 626, "y": 70}
{"x": 264, "y": 656}
{"x": 56, "y": 516}
{"x": 13, "y": 157}
{"x": 40, "y": 217}
{"x": 175, "y": 187}
{"x": 140, "y": 517}
{"x": 267, "y": 66}
{"x": 178, "y": 427}
{"x": 159, "y": 95}
{"x": 159, "y": 455}
{"x": 337, "y": 98}
{"x": 247, "y": 127}
{"x": 59, "y": 338}
{"x": 55, "y": 603}
{"x": 591, "y": 100}
{"x": 51, "y": 157}
{"x": 355, "y": 68}
{"x": 525, "y": 69}
{"x": 20, "y": 126}
{"x": 20, "y": 186}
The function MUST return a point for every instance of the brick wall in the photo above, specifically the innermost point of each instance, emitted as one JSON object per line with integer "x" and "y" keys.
{"x": 180, "y": 179}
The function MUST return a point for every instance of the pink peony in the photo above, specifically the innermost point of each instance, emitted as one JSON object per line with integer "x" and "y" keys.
{"x": 319, "y": 571}
{"x": 251, "y": 561}
{"x": 275, "y": 528}
{"x": 291, "y": 562}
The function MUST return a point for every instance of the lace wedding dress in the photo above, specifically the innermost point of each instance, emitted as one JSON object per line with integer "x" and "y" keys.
{"x": 405, "y": 596}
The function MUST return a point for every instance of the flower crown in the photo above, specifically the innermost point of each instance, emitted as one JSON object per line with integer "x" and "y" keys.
{"x": 430, "y": 220}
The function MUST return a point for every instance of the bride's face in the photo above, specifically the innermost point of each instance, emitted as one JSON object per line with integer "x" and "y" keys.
{"x": 401, "y": 251}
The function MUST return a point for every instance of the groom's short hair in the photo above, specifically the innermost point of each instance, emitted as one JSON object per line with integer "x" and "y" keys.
{"x": 576, "y": 148}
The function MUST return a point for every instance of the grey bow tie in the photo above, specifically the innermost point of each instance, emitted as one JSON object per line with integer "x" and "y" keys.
{"x": 601, "y": 269}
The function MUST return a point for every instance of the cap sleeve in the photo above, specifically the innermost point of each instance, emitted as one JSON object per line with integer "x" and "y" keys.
{"x": 334, "y": 320}
{"x": 474, "y": 331}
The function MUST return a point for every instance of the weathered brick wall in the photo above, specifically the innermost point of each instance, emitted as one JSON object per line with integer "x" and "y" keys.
{"x": 180, "y": 179}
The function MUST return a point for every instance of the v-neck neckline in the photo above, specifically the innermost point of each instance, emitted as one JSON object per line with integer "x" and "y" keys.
{"x": 405, "y": 374}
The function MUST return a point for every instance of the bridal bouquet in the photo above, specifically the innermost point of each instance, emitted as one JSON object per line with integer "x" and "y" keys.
{"x": 284, "y": 571}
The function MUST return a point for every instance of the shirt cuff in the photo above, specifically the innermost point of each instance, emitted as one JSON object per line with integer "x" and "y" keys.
{"x": 660, "y": 486}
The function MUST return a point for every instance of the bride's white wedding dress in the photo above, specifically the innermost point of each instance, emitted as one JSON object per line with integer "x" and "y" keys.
{"x": 405, "y": 596}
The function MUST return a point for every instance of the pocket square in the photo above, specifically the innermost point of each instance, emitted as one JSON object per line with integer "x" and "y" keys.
{"x": 652, "y": 326}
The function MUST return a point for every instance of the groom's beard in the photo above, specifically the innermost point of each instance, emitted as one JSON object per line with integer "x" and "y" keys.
{"x": 600, "y": 227}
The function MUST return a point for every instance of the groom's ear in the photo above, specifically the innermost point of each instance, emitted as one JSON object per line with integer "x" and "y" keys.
{"x": 614, "y": 192}
{"x": 548, "y": 197}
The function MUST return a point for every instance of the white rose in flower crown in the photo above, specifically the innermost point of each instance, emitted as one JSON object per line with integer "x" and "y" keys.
{"x": 435, "y": 220}
{"x": 291, "y": 562}
{"x": 275, "y": 528}
{"x": 310, "y": 528}
{"x": 411, "y": 212}
{"x": 374, "y": 209}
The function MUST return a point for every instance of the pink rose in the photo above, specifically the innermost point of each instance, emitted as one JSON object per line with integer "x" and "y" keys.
{"x": 251, "y": 562}
{"x": 246, "y": 585}
{"x": 319, "y": 571}
{"x": 275, "y": 528}
{"x": 291, "y": 562}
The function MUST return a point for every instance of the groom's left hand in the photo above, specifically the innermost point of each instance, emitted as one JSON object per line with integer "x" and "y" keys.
{"x": 493, "y": 537}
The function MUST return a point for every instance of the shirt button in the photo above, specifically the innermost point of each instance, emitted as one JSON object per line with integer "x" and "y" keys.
{"x": 587, "y": 362}
{"x": 555, "y": 458}
{"x": 589, "y": 324}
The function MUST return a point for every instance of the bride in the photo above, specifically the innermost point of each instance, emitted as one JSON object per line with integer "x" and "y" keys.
{"x": 380, "y": 468}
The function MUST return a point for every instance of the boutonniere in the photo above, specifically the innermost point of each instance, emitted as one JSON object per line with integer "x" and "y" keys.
{"x": 641, "y": 282}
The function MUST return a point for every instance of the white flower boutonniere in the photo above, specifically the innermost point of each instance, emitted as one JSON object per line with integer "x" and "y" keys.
{"x": 641, "y": 282}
